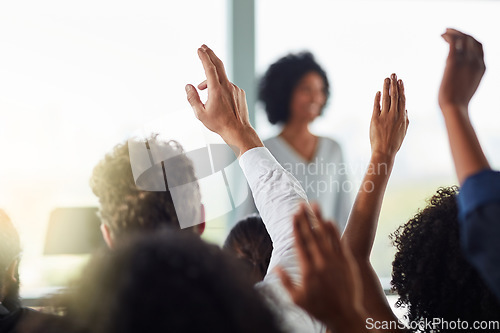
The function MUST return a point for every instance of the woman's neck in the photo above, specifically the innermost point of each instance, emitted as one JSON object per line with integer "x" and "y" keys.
{"x": 301, "y": 139}
{"x": 295, "y": 130}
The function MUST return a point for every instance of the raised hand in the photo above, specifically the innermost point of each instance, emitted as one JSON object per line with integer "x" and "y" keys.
{"x": 226, "y": 111}
{"x": 388, "y": 128}
{"x": 464, "y": 69}
{"x": 463, "y": 72}
{"x": 330, "y": 289}
{"x": 389, "y": 121}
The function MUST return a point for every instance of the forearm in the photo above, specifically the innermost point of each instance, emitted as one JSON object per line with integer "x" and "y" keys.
{"x": 465, "y": 148}
{"x": 362, "y": 224}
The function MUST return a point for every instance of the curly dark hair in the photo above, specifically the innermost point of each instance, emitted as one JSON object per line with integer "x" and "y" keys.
{"x": 430, "y": 272}
{"x": 128, "y": 205}
{"x": 250, "y": 241}
{"x": 166, "y": 282}
{"x": 10, "y": 250}
{"x": 279, "y": 81}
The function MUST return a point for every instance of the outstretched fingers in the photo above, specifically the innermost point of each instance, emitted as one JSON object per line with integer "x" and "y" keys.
{"x": 394, "y": 94}
{"x": 221, "y": 71}
{"x": 386, "y": 100}
{"x": 401, "y": 99}
{"x": 305, "y": 241}
{"x": 287, "y": 283}
{"x": 376, "y": 105}
{"x": 320, "y": 232}
{"x": 333, "y": 235}
{"x": 209, "y": 67}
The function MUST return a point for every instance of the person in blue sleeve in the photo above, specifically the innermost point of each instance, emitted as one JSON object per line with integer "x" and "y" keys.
{"x": 479, "y": 198}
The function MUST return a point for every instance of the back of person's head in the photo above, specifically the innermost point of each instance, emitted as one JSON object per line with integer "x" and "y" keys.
{"x": 10, "y": 251}
{"x": 430, "y": 272}
{"x": 128, "y": 205}
{"x": 167, "y": 281}
{"x": 250, "y": 241}
{"x": 278, "y": 83}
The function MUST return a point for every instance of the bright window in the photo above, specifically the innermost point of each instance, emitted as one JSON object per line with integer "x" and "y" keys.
{"x": 75, "y": 80}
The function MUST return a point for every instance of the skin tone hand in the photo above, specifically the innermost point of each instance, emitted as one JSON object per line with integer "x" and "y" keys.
{"x": 464, "y": 69}
{"x": 388, "y": 128}
{"x": 330, "y": 289}
{"x": 389, "y": 121}
{"x": 226, "y": 111}
{"x": 331, "y": 269}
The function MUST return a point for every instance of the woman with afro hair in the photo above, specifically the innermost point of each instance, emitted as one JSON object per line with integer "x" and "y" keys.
{"x": 294, "y": 91}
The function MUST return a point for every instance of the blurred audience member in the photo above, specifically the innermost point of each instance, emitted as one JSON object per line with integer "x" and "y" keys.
{"x": 13, "y": 316}
{"x": 168, "y": 281}
{"x": 249, "y": 241}
{"x": 125, "y": 207}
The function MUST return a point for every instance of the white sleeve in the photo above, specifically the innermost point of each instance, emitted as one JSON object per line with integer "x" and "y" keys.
{"x": 277, "y": 195}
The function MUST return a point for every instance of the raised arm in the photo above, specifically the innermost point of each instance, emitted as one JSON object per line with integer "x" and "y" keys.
{"x": 339, "y": 285}
{"x": 462, "y": 75}
{"x": 387, "y": 130}
{"x": 276, "y": 192}
{"x": 479, "y": 197}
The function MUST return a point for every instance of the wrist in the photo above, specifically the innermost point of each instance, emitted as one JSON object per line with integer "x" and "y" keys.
{"x": 242, "y": 139}
{"x": 383, "y": 156}
{"x": 455, "y": 108}
{"x": 381, "y": 163}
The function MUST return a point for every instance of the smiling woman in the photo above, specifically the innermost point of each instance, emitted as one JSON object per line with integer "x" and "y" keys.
{"x": 308, "y": 98}
{"x": 294, "y": 91}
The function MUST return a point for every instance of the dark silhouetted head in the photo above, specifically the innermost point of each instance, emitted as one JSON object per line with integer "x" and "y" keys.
{"x": 167, "y": 281}
{"x": 249, "y": 241}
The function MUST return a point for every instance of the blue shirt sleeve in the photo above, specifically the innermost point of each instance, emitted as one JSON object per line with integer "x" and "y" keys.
{"x": 479, "y": 218}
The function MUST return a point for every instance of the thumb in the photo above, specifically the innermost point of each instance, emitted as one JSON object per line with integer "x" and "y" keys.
{"x": 203, "y": 85}
{"x": 194, "y": 99}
